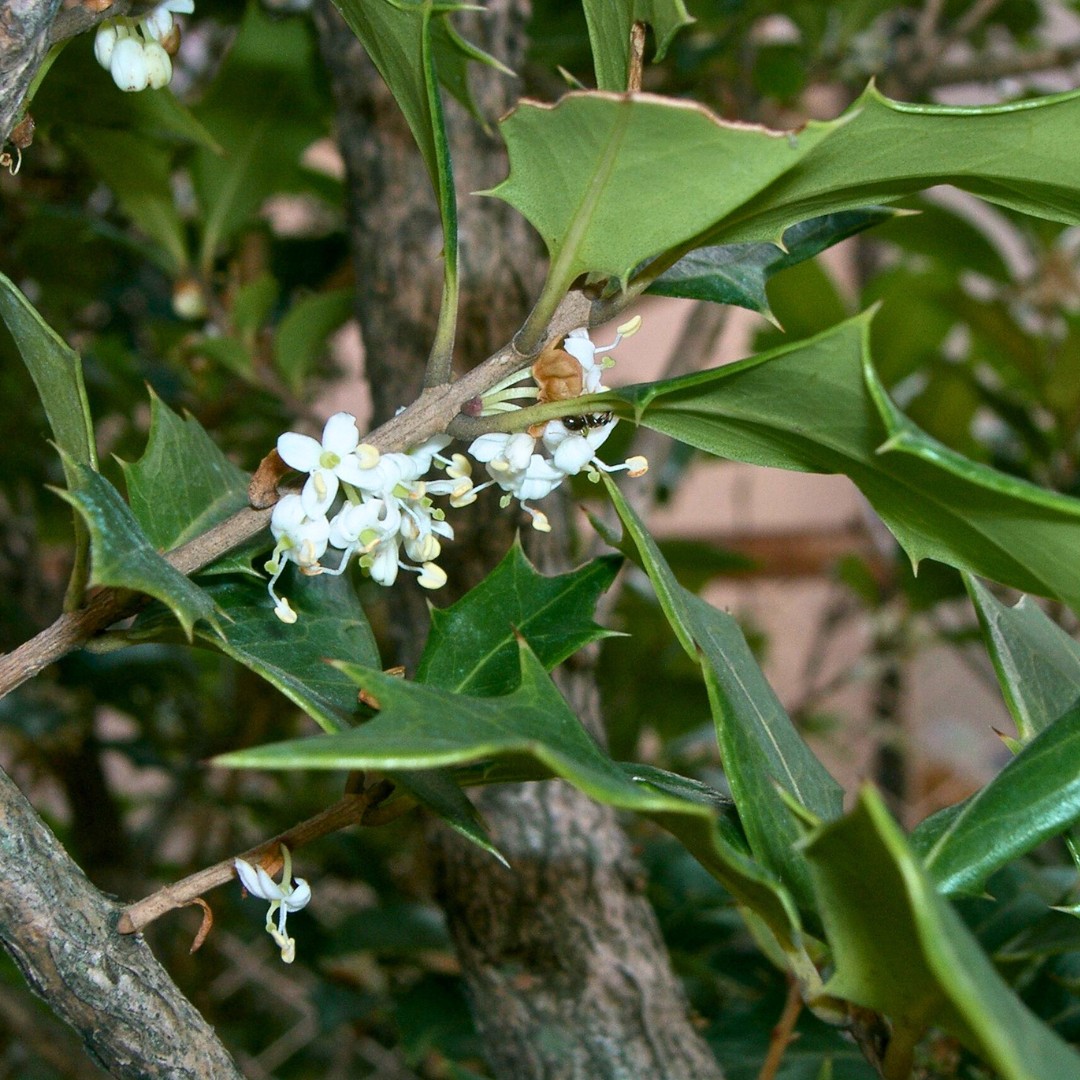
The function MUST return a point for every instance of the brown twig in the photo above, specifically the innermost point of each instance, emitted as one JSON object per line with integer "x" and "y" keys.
{"x": 431, "y": 413}
{"x": 350, "y": 810}
{"x": 783, "y": 1035}
{"x": 637, "y": 57}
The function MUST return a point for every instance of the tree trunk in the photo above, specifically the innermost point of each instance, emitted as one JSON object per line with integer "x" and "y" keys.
{"x": 562, "y": 955}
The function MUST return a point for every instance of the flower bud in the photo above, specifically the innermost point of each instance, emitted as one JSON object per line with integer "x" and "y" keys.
{"x": 104, "y": 42}
{"x": 158, "y": 65}
{"x": 128, "y": 66}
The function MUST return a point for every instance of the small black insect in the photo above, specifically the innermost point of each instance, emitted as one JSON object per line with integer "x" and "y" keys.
{"x": 589, "y": 420}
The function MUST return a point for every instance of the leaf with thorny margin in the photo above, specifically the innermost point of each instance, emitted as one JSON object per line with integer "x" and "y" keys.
{"x": 472, "y": 647}
{"x": 183, "y": 484}
{"x": 1021, "y": 155}
{"x": 900, "y": 948}
{"x": 737, "y": 273}
{"x": 122, "y": 555}
{"x": 57, "y": 373}
{"x": 611, "y": 180}
{"x": 817, "y": 406}
{"x": 759, "y": 747}
{"x": 426, "y": 727}
{"x": 1034, "y": 798}
{"x": 610, "y": 23}
{"x": 295, "y": 658}
{"x": 1037, "y": 663}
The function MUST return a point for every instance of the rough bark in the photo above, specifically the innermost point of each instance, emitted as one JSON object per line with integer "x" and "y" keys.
{"x": 562, "y": 954}
{"x": 24, "y": 41}
{"x": 61, "y": 933}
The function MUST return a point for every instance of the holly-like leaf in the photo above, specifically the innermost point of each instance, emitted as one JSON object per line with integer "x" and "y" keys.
{"x": 899, "y": 947}
{"x": 610, "y": 23}
{"x": 818, "y": 406}
{"x": 1021, "y": 155}
{"x": 331, "y": 626}
{"x": 1037, "y": 663}
{"x": 759, "y": 747}
{"x": 1034, "y": 798}
{"x": 611, "y": 180}
{"x": 738, "y": 273}
{"x": 122, "y": 556}
{"x": 472, "y": 647}
{"x": 183, "y": 484}
{"x": 57, "y": 373}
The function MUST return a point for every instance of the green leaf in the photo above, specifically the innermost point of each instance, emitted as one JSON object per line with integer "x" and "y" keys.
{"x": 264, "y": 109}
{"x": 57, "y": 373}
{"x": 473, "y": 648}
{"x": 737, "y": 273}
{"x": 900, "y": 948}
{"x": 399, "y": 36}
{"x": 1037, "y": 663}
{"x": 759, "y": 747}
{"x": 421, "y": 727}
{"x": 610, "y": 23}
{"x": 139, "y": 171}
{"x": 296, "y": 658}
{"x": 301, "y": 335}
{"x": 183, "y": 484}
{"x": 1034, "y": 798}
{"x": 425, "y": 727}
{"x": 1021, "y": 155}
{"x": 611, "y": 180}
{"x": 817, "y": 406}
{"x": 122, "y": 556}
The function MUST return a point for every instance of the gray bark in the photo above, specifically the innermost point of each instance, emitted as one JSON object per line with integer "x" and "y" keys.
{"x": 61, "y": 933}
{"x": 562, "y": 955}
{"x": 24, "y": 41}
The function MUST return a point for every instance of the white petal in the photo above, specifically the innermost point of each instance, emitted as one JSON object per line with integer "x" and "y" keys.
{"x": 341, "y": 435}
{"x": 300, "y": 452}
{"x": 519, "y": 449}
{"x": 573, "y": 454}
{"x": 384, "y": 569}
{"x": 319, "y": 493}
{"x": 299, "y": 897}
{"x": 248, "y": 878}
{"x": 352, "y": 471}
{"x": 490, "y": 446}
{"x": 287, "y": 517}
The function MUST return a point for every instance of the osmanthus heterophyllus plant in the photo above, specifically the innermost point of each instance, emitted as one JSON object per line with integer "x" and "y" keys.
{"x": 632, "y": 193}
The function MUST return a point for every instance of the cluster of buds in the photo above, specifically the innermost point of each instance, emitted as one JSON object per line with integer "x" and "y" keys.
{"x": 138, "y": 51}
{"x": 379, "y": 507}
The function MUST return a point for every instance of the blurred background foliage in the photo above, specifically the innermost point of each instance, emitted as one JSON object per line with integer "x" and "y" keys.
{"x": 219, "y": 280}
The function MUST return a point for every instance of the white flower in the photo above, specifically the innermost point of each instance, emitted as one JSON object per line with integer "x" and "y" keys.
{"x": 284, "y": 897}
{"x": 338, "y": 457}
{"x": 301, "y": 540}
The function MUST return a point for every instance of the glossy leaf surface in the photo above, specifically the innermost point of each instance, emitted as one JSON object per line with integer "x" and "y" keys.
{"x": 818, "y": 406}
{"x": 899, "y": 947}
{"x": 183, "y": 484}
{"x": 123, "y": 557}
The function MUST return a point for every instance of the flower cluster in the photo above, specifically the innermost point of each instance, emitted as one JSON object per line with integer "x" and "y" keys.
{"x": 379, "y": 507}
{"x": 528, "y": 465}
{"x": 387, "y": 514}
{"x": 137, "y": 52}
{"x": 284, "y": 897}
